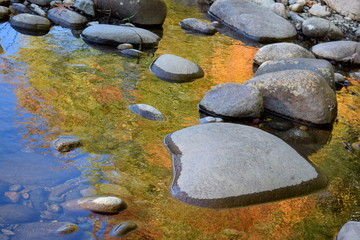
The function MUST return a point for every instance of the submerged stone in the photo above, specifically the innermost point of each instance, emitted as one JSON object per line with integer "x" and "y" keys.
{"x": 66, "y": 144}
{"x": 104, "y": 205}
{"x": 14, "y": 213}
{"x": 123, "y": 228}
{"x": 223, "y": 165}
{"x": 176, "y": 69}
{"x": 148, "y": 112}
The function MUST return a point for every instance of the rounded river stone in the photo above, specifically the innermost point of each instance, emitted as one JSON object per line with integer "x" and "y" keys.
{"x": 103, "y": 205}
{"x": 30, "y": 22}
{"x": 148, "y": 112}
{"x": 224, "y": 165}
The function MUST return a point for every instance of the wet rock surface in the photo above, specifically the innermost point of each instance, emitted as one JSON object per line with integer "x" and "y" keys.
{"x": 256, "y": 22}
{"x": 233, "y": 100}
{"x": 281, "y": 50}
{"x": 67, "y": 18}
{"x": 197, "y": 25}
{"x": 30, "y": 22}
{"x": 66, "y": 144}
{"x": 298, "y": 94}
{"x": 123, "y": 228}
{"x": 207, "y": 157}
{"x": 148, "y": 112}
{"x": 172, "y": 68}
{"x": 104, "y": 205}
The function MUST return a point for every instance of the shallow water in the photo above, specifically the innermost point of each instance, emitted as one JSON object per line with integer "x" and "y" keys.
{"x": 56, "y": 85}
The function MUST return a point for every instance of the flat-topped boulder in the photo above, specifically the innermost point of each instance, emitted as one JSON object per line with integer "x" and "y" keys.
{"x": 254, "y": 21}
{"x": 319, "y": 66}
{"x": 115, "y": 35}
{"x": 222, "y": 165}
{"x": 281, "y": 50}
{"x": 31, "y": 23}
{"x": 172, "y": 68}
{"x": 297, "y": 94}
{"x": 67, "y": 18}
{"x": 340, "y": 51}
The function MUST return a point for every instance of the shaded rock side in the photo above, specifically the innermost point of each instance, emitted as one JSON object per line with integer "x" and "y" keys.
{"x": 233, "y": 100}
{"x": 349, "y": 8}
{"x": 257, "y": 22}
{"x": 138, "y": 12}
{"x": 297, "y": 94}
{"x": 172, "y": 68}
{"x": 319, "y": 66}
{"x": 341, "y": 51}
{"x": 115, "y": 35}
{"x": 224, "y": 165}
{"x": 281, "y": 50}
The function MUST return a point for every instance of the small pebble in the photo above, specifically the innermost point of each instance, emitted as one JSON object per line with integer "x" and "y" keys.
{"x": 15, "y": 188}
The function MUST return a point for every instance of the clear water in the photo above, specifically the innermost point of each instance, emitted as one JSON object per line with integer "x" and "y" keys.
{"x": 56, "y": 85}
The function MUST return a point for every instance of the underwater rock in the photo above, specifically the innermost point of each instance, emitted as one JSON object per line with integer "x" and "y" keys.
{"x": 66, "y": 144}
{"x": 123, "y": 228}
{"x": 224, "y": 165}
{"x": 104, "y": 205}
{"x": 14, "y": 213}
{"x": 176, "y": 69}
{"x": 147, "y": 111}
{"x": 67, "y": 228}
{"x": 197, "y": 25}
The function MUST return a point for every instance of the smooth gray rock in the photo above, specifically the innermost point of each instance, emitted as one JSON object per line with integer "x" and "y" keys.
{"x": 224, "y": 165}
{"x": 279, "y": 9}
{"x": 19, "y": 7}
{"x": 67, "y": 228}
{"x": 144, "y": 12}
{"x": 173, "y": 68}
{"x": 349, "y": 8}
{"x": 319, "y": 66}
{"x": 256, "y": 22}
{"x": 66, "y": 144}
{"x": 67, "y": 18}
{"x": 297, "y": 94}
{"x": 133, "y": 53}
{"x": 41, "y": 2}
{"x": 197, "y": 25}
{"x": 281, "y": 50}
{"x": 86, "y": 6}
{"x": 45, "y": 231}
{"x": 341, "y": 51}
{"x": 103, "y": 204}
{"x": 123, "y": 228}
{"x": 233, "y": 100}
{"x": 38, "y": 10}
{"x": 14, "y": 213}
{"x": 319, "y": 28}
{"x": 125, "y": 46}
{"x": 4, "y": 12}
{"x": 30, "y": 22}
{"x": 349, "y": 231}
{"x": 115, "y": 35}
{"x": 319, "y": 10}
{"x": 147, "y": 111}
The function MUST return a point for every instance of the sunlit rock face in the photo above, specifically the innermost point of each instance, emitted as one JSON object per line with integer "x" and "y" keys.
{"x": 223, "y": 165}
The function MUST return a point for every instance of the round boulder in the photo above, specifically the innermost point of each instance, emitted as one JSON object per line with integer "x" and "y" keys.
{"x": 319, "y": 28}
{"x": 254, "y": 21}
{"x": 197, "y": 25}
{"x": 138, "y": 12}
{"x": 30, "y": 23}
{"x": 115, "y": 35}
{"x": 297, "y": 94}
{"x": 233, "y": 100}
{"x": 341, "y": 51}
{"x": 319, "y": 66}
{"x": 281, "y": 50}
{"x": 147, "y": 111}
{"x": 223, "y": 165}
{"x": 67, "y": 18}
{"x": 176, "y": 69}
{"x": 104, "y": 205}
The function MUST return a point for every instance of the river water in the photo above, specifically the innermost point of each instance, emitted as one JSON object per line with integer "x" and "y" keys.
{"x": 56, "y": 85}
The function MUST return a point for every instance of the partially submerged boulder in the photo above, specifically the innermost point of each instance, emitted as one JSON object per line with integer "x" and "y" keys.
{"x": 319, "y": 66}
{"x": 25, "y": 22}
{"x": 222, "y": 165}
{"x": 103, "y": 204}
{"x": 341, "y": 51}
{"x": 297, "y": 94}
{"x": 281, "y": 50}
{"x": 256, "y": 22}
{"x": 115, "y": 35}
{"x": 233, "y": 100}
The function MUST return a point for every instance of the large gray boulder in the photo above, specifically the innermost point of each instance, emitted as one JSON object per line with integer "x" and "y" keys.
{"x": 349, "y": 8}
{"x": 30, "y": 22}
{"x": 341, "y": 51}
{"x": 14, "y": 213}
{"x": 144, "y": 12}
{"x": 257, "y": 22}
{"x": 233, "y": 100}
{"x": 281, "y": 50}
{"x": 319, "y": 66}
{"x": 320, "y": 28}
{"x": 350, "y": 231}
{"x": 222, "y": 165}
{"x": 115, "y": 35}
{"x": 172, "y": 68}
{"x": 67, "y": 18}
{"x": 297, "y": 94}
